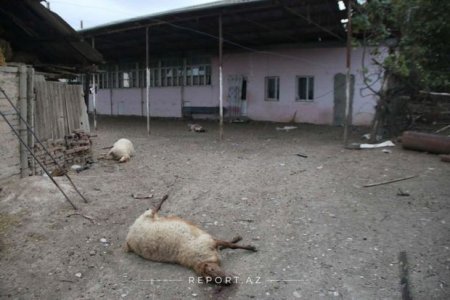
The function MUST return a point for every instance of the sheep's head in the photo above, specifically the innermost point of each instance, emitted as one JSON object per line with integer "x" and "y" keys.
{"x": 213, "y": 273}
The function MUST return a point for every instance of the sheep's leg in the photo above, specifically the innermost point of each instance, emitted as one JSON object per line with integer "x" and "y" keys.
{"x": 158, "y": 207}
{"x": 236, "y": 239}
{"x": 124, "y": 158}
{"x": 230, "y": 245}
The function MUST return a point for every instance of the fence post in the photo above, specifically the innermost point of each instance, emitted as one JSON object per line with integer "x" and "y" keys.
{"x": 30, "y": 114}
{"x": 23, "y": 114}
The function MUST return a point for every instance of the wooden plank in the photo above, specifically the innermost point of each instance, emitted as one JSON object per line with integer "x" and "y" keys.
{"x": 66, "y": 98}
{"x": 58, "y": 109}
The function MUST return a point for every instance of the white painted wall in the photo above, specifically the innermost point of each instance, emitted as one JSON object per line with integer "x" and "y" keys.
{"x": 322, "y": 63}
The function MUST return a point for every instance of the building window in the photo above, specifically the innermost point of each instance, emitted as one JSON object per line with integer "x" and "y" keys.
{"x": 305, "y": 88}
{"x": 272, "y": 88}
{"x": 170, "y": 72}
{"x": 126, "y": 79}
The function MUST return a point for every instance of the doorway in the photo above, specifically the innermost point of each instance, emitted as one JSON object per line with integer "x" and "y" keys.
{"x": 237, "y": 97}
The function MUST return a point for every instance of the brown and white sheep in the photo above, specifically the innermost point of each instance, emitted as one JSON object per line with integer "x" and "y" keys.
{"x": 174, "y": 240}
{"x": 122, "y": 150}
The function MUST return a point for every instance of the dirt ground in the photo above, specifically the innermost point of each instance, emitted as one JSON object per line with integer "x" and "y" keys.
{"x": 319, "y": 232}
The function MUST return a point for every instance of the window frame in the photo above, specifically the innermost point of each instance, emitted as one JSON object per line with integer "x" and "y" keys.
{"x": 308, "y": 88}
{"x": 276, "y": 91}
{"x": 172, "y": 72}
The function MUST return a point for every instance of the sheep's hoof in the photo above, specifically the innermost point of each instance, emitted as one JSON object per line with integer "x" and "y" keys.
{"x": 252, "y": 248}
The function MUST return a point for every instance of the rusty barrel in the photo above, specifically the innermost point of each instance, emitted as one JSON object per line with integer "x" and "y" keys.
{"x": 427, "y": 142}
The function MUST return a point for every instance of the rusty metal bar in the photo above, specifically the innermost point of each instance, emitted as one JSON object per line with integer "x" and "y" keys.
{"x": 427, "y": 142}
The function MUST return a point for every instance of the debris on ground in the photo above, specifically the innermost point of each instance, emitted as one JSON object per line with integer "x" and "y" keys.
{"x": 389, "y": 181}
{"x": 445, "y": 158}
{"x": 82, "y": 215}
{"x": 58, "y": 172}
{"x": 302, "y": 155}
{"x": 78, "y": 168}
{"x": 387, "y": 151}
{"x": 286, "y": 128}
{"x": 402, "y": 193}
{"x": 142, "y": 196}
{"x": 442, "y": 129}
{"x": 379, "y": 145}
{"x": 357, "y": 146}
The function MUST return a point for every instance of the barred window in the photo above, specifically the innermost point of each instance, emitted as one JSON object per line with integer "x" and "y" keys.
{"x": 168, "y": 72}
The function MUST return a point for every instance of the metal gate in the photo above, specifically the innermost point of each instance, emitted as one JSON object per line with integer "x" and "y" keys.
{"x": 235, "y": 96}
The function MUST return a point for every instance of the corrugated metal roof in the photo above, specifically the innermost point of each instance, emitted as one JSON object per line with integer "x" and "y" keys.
{"x": 215, "y": 4}
{"x": 247, "y": 24}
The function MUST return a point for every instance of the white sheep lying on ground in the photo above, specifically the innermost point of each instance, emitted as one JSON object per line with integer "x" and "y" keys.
{"x": 196, "y": 128}
{"x": 122, "y": 150}
{"x": 174, "y": 240}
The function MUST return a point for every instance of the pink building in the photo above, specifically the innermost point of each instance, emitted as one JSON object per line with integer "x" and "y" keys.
{"x": 282, "y": 61}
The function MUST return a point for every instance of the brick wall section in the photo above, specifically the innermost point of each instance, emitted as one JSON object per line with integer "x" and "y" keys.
{"x": 9, "y": 144}
{"x": 73, "y": 149}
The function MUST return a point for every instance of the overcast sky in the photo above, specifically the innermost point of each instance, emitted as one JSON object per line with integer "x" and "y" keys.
{"x": 98, "y": 12}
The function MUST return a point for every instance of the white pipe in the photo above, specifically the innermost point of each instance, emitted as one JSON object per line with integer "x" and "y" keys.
{"x": 94, "y": 93}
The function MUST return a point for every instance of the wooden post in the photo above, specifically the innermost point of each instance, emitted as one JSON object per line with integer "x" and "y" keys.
{"x": 94, "y": 92}
{"x": 348, "y": 100}
{"x": 220, "y": 79}
{"x": 147, "y": 71}
{"x": 94, "y": 104}
{"x": 30, "y": 113}
{"x": 23, "y": 116}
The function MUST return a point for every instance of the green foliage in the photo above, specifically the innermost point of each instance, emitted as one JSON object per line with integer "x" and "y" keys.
{"x": 419, "y": 57}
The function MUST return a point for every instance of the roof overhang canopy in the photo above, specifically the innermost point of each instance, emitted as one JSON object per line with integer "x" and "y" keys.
{"x": 42, "y": 38}
{"x": 253, "y": 24}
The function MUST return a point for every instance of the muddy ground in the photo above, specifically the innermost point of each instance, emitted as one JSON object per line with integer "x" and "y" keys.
{"x": 320, "y": 234}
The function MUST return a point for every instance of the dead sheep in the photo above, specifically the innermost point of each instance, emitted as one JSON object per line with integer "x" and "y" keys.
{"x": 196, "y": 128}
{"x": 122, "y": 150}
{"x": 174, "y": 240}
